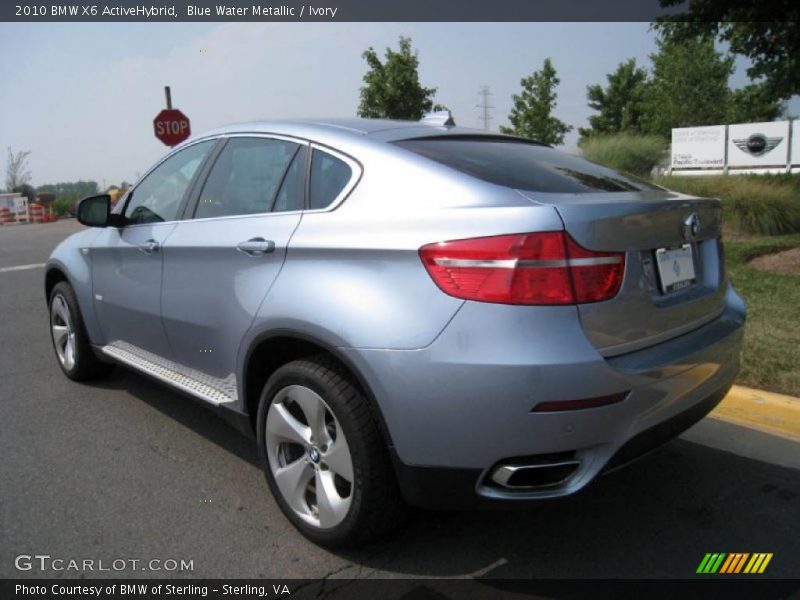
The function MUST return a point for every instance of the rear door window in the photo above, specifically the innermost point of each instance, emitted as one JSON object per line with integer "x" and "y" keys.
{"x": 523, "y": 165}
{"x": 246, "y": 177}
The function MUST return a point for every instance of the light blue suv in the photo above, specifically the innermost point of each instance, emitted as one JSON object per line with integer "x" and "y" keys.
{"x": 404, "y": 311}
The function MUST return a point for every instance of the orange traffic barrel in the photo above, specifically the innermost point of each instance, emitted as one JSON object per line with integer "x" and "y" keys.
{"x": 5, "y": 216}
{"x": 36, "y": 212}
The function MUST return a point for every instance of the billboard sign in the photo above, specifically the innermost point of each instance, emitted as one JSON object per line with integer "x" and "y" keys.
{"x": 698, "y": 147}
{"x": 758, "y": 144}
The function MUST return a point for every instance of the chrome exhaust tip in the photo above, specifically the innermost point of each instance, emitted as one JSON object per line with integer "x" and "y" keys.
{"x": 532, "y": 476}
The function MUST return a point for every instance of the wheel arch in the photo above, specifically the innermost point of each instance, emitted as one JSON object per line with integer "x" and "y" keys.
{"x": 53, "y": 275}
{"x": 272, "y": 349}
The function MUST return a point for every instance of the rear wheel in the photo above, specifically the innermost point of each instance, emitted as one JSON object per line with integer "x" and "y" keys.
{"x": 70, "y": 341}
{"x": 325, "y": 460}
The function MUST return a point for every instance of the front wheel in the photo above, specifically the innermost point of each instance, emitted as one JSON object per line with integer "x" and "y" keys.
{"x": 325, "y": 460}
{"x": 69, "y": 337}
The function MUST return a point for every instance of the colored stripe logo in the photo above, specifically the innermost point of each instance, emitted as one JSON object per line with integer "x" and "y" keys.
{"x": 734, "y": 563}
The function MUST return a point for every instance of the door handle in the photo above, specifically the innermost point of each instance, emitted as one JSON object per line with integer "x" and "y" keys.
{"x": 257, "y": 246}
{"x": 149, "y": 246}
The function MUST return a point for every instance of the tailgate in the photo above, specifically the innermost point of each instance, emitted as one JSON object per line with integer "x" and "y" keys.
{"x": 673, "y": 269}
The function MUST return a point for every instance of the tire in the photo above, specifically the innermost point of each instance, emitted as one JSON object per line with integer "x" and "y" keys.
{"x": 346, "y": 515}
{"x": 70, "y": 340}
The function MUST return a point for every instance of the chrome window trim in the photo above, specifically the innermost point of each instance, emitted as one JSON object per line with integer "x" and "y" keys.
{"x": 355, "y": 167}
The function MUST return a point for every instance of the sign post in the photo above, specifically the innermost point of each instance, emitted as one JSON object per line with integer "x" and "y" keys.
{"x": 171, "y": 126}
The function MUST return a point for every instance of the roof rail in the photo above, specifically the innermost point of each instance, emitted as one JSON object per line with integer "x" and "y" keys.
{"x": 441, "y": 118}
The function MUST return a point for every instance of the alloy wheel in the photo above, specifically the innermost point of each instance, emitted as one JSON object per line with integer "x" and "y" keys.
{"x": 63, "y": 332}
{"x": 309, "y": 457}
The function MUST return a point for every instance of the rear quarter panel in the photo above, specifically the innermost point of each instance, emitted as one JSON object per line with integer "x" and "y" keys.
{"x": 353, "y": 277}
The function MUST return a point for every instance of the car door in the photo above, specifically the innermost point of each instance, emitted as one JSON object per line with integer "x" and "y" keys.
{"x": 127, "y": 261}
{"x": 219, "y": 265}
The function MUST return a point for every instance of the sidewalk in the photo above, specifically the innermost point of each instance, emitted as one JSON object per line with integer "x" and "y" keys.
{"x": 765, "y": 411}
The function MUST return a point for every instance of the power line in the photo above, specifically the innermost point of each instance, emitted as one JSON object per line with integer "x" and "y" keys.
{"x": 486, "y": 116}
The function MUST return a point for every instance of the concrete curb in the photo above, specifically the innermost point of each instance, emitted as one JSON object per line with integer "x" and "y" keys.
{"x": 777, "y": 414}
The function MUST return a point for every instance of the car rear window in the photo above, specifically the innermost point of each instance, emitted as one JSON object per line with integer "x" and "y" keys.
{"x": 523, "y": 165}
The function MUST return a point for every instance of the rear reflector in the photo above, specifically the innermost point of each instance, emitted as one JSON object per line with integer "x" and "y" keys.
{"x": 561, "y": 405}
{"x": 528, "y": 268}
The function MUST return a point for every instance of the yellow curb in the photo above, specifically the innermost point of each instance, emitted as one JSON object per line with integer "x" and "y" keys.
{"x": 766, "y": 411}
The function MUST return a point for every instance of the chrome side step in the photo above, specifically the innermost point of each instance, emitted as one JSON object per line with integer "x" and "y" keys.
{"x": 212, "y": 390}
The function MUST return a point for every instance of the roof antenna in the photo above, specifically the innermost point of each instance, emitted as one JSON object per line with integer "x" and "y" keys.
{"x": 441, "y": 118}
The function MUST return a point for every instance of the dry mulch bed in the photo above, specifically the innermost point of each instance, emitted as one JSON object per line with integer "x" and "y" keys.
{"x": 786, "y": 262}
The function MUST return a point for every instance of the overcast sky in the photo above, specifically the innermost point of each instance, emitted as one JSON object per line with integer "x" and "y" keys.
{"x": 82, "y": 97}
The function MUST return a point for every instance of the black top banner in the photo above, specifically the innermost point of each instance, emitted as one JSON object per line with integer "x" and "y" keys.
{"x": 334, "y": 10}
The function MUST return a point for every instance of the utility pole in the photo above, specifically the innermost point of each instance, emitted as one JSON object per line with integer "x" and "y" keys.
{"x": 486, "y": 116}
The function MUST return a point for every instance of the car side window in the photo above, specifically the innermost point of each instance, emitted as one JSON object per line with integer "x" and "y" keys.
{"x": 246, "y": 177}
{"x": 329, "y": 176}
{"x": 158, "y": 196}
{"x": 292, "y": 192}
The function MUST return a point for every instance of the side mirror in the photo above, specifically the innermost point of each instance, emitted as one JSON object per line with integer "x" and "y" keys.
{"x": 94, "y": 211}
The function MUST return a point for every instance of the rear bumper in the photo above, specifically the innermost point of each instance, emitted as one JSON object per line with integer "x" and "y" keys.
{"x": 443, "y": 488}
{"x": 462, "y": 406}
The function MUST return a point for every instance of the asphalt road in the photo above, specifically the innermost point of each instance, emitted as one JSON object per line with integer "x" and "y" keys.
{"x": 128, "y": 469}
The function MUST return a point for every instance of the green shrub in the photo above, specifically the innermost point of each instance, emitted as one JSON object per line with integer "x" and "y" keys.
{"x": 62, "y": 206}
{"x": 752, "y": 204}
{"x": 635, "y": 154}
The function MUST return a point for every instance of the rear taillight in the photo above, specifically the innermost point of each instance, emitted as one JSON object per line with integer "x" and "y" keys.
{"x": 527, "y": 268}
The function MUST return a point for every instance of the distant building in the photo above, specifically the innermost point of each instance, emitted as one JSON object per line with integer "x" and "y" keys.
{"x": 12, "y": 201}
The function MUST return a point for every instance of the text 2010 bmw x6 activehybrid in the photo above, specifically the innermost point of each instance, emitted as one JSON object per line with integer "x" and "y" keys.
{"x": 406, "y": 311}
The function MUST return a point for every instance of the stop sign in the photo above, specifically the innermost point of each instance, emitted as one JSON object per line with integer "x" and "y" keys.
{"x": 171, "y": 126}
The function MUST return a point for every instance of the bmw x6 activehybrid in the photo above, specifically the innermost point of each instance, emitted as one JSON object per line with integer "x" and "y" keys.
{"x": 405, "y": 313}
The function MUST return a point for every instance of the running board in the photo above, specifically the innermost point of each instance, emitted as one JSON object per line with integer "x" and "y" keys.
{"x": 212, "y": 390}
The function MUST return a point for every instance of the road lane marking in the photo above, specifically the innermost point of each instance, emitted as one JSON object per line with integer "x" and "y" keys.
{"x": 21, "y": 267}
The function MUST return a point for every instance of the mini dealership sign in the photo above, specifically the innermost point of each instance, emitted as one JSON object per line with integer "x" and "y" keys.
{"x": 171, "y": 126}
{"x": 698, "y": 147}
{"x": 772, "y": 146}
{"x": 758, "y": 144}
{"x": 794, "y": 152}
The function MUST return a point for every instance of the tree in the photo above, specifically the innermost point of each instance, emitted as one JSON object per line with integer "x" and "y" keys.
{"x": 392, "y": 89}
{"x": 26, "y": 190}
{"x": 619, "y": 104}
{"x": 765, "y": 32}
{"x": 17, "y": 173}
{"x": 531, "y": 115}
{"x": 753, "y": 103}
{"x": 70, "y": 191}
{"x": 689, "y": 86}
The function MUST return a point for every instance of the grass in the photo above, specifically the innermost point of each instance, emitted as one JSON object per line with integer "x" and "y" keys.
{"x": 771, "y": 353}
{"x": 753, "y": 204}
{"x": 635, "y": 154}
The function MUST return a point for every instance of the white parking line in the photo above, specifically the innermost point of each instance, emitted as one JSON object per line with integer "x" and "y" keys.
{"x": 21, "y": 267}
